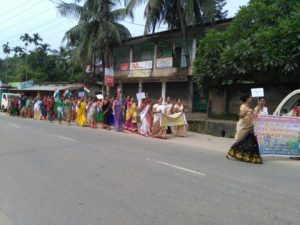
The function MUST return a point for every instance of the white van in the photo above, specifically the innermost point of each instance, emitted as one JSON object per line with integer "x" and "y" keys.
{"x": 286, "y": 106}
{"x": 6, "y": 98}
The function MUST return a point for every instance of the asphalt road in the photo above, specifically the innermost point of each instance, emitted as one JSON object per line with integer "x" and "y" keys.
{"x": 52, "y": 174}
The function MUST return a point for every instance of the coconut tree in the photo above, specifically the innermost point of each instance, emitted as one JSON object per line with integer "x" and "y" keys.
{"x": 97, "y": 31}
{"x": 176, "y": 14}
{"x": 28, "y": 40}
{"x": 6, "y": 50}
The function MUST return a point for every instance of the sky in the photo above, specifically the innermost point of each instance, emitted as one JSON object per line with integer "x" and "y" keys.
{"x": 40, "y": 16}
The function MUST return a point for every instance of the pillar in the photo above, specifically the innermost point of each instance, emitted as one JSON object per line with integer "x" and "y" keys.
{"x": 155, "y": 56}
{"x": 140, "y": 86}
{"x": 121, "y": 89}
{"x": 164, "y": 90}
{"x": 190, "y": 93}
{"x": 130, "y": 56}
{"x": 194, "y": 50}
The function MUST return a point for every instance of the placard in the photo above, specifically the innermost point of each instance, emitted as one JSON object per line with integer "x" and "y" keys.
{"x": 278, "y": 135}
{"x": 100, "y": 96}
{"x": 81, "y": 94}
{"x": 141, "y": 95}
{"x": 257, "y": 92}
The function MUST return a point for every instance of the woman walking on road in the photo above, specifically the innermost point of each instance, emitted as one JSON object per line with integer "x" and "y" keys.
{"x": 81, "y": 113}
{"x": 144, "y": 115}
{"x": 106, "y": 113}
{"x": 179, "y": 131}
{"x": 157, "y": 130}
{"x": 118, "y": 114}
{"x": 245, "y": 147}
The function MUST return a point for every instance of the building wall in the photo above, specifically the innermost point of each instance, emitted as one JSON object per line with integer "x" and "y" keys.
{"x": 178, "y": 90}
{"x": 130, "y": 89}
{"x": 273, "y": 94}
{"x": 153, "y": 89}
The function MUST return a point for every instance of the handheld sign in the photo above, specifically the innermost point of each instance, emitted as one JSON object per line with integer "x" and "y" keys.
{"x": 257, "y": 92}
{"x": 81, "y": 94}
{"x": 100, "y": 96}
{"x": 140, "y": 95}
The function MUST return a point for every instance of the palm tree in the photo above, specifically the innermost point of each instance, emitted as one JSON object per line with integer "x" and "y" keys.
{"x": 6, "y": 50}
{"x": 177, "y": 14}
{"x": 97, "y": 31}
{"x": 28, "y": 40}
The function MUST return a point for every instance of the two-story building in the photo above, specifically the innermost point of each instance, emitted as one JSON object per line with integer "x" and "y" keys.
{"x": 156, "y": 64}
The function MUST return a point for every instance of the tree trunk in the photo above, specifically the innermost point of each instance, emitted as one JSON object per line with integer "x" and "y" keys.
{"x": 107, "y": 61}
{"x": 183, "y": 31}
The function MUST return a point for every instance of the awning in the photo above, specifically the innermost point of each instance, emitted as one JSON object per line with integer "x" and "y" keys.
{"x": 52, "y": 87}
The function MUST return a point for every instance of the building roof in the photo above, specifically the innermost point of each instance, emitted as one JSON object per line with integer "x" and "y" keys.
{"x": 176, "y": 33}
{"x": 52, "y": 87}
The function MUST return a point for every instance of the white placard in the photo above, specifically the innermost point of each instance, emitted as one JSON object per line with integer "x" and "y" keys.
{"x": 257, "y": 92}
{"x": 81, "y": 94}
{"x": 141, "y": 95}
{"x": 100, "y": 96}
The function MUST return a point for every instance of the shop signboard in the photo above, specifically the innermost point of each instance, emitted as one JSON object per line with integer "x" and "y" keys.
{"x": 141, "y": 65}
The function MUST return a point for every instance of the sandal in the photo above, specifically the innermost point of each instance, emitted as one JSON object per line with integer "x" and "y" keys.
{"x": 229, "y": 157}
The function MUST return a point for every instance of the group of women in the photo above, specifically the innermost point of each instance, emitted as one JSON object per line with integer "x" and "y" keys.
{"x": 124, "y": 116}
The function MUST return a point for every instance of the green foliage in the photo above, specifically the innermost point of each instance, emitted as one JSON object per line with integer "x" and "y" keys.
{"x": 39, "y": 64}
{"x": 261, "y": 45}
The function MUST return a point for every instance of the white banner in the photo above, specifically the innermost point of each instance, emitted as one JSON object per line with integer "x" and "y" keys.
{"x": 141, "y": 65}
{"x": 164, "y": 62}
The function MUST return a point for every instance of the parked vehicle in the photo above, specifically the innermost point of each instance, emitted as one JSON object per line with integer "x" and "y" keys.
{"x": 286, "y": 106}
{"x": 6, "y": 98}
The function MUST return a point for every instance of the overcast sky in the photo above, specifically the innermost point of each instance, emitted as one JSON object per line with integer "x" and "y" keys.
{"x": 40, "y": 16}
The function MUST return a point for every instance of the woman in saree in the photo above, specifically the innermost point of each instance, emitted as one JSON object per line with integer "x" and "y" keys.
{"x": 245, "y": 147}
{"x": 106, "y": 113}
{"x": 157, "y": 130}
{"x": 118, "y": 114}
{"x": 179, "y": 131}
{"x": 68, "y": 110}
{"x": 131, "y": 116}
{"x": 144, "y": 115}
{"x": 100, "y": 114}
{"x": 81, "y": 113}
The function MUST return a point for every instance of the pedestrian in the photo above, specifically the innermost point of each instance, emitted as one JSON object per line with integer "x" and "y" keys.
{"x": 44, "y": 108}
{"x": 60, "y": 109}
{"x": 144, "y": 116}
{"x": 100, "y": 113}
{"x": 157, "y": 130}
{"x": 50, "y": 108}
{"x": 111, "y": 115}
{"x": 118, "y": 114}
{"x": 261, "y": 108}
{"x": 89, "y": 111}
{"x": 28, "y": 107}
{"x": 179, "y": 131}
{"x": 106, "y": 113}
{"x": 37, "y": 108}
{"x": 168, "y": 109}
{"x": 68, "y": 109}
{"x": 245, "y": 147}
{"x": 81, "y": 113}
{"x": 131, "y": 116}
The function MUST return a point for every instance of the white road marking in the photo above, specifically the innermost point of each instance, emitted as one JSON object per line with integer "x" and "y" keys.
{"x": 65, "y": 138}
{"x": 177, "y": 167}
{"x": 14, "y": 125}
